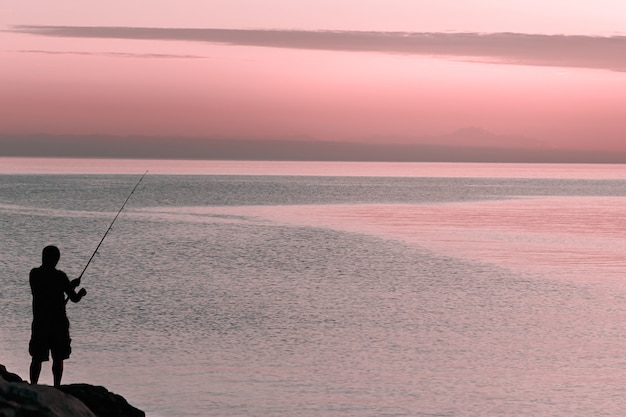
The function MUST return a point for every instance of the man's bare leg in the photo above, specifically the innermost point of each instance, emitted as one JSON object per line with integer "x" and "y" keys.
{"x": 57, "y": 372}
{"x": 35, "y": 371}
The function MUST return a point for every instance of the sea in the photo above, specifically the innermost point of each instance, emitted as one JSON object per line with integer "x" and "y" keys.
{"x": 270, "y": 289}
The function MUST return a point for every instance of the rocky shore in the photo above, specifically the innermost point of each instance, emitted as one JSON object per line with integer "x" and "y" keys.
{"x": 20, "y": 399}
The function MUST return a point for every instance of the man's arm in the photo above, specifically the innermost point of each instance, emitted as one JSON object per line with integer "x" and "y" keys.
{"x": 76, "y": 296}
{"x": 71, "y": 292}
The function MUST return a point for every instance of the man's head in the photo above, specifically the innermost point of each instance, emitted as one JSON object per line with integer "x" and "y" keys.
{"x": 50, "y": 256}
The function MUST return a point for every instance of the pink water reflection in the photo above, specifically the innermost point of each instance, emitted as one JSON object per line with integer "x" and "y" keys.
{"x": 328, "y": 168}
{"x": 565, "y": 237}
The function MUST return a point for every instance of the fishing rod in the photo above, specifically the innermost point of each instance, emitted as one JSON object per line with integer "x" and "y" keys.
{"x": 109, "y": 229}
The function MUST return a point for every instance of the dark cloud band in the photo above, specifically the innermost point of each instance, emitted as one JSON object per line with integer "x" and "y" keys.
{"x": 508, "y": 48}
{"x": 113, "y": 54}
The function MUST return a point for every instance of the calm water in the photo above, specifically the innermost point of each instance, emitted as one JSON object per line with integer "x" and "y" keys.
{"x": 351, "y": 290}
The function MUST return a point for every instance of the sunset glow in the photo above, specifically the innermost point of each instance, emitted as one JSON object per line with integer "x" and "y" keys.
{"x": 529, "y": 76}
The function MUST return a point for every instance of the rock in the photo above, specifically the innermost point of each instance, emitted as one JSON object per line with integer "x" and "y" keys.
{"x": 102, "y": 402}
{"x": 20, "y": 399}
{"x": 8, "y": 376}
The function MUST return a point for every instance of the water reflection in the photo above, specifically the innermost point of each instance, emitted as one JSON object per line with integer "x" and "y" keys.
{"x": 574, "y": 237}
{"x": 15, "y": 165}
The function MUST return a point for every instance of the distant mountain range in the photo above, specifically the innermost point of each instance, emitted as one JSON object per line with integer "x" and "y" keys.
{"x": 465, "y": 145}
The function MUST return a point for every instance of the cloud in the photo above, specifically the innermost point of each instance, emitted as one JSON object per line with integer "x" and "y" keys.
{"x": 596, "y": 52}
{"x": 113, "y": 54}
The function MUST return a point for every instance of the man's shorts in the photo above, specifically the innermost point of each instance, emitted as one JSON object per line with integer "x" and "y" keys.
{"x": 46, "y": 338}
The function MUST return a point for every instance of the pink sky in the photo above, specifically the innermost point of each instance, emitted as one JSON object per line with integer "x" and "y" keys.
{"x": 390, "y": 70}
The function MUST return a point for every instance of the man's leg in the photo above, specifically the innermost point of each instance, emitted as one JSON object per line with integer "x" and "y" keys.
{"x": 35, "y": 371}
{"x": 57, "y": 371}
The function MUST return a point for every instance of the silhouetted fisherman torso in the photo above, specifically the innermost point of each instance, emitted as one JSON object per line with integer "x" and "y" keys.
{"x": 49, "y": 286}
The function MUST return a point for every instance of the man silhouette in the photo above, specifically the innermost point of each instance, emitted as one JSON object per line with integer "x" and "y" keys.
{"x": 50, "y": 332}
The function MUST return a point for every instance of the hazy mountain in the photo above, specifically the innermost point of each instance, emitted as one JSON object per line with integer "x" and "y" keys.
{"x": 465, "y": 145}
{"x": 467, "y": 136}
